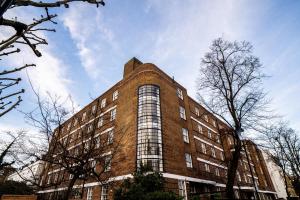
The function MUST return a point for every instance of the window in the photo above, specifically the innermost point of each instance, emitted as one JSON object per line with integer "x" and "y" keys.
{"x": 69, "y": 126}
{"x": 75, "y": 122}
{"x": 200, "y": 128}
{"x": 182, "y": 113}
{"x": 179, "y": 93}
{"x": 107, "y": 163}
{"x": 98, "y": 142}
{"x": 197, "y": 111}
{"x": 245, "y": 178}
{"x": 213, "y": 152}
{"x": 209, "y": 133}
{"x": 214, "y": 123}
{"x": 217, "y": 171}
{"x": 113, "y": 114}
{"x": 70, "y": 176}
{"x": 222, "y": 155}
{"x": 206, "y": 166}
{"x": 182, "y": 188}
{"x": 83, "y": 116}
{"x": 245, "y": 166}
{"x": 49, "y": 179}
{"x": 206, "y": 118}
{"x": 238, "y": 176}
{"x": 86, "y": 146}
{"x": 89, "y": 195}
{"x": 93, "y": 165}
{"x": 203, "y": 148}
{"x": 103, "y": 103}
{"x": 55, "y": 177}
{"x": 104, "y": 192}
{"x": 110, "y": 137}
{"x": 94, "y": 109}
{"x": 149, "y": 132}
{"x": 100, "y": 122}
{"x": 229, "y": 141}
{"x": 188, "y": 160}
{"x": 115, "y": 95}
{"x": 185, "y": 135}
{"x": 218, "y": 139}
{"x": 90, "y": 128}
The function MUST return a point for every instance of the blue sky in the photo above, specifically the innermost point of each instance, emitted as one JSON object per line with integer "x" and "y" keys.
{"x": 86, "y": 55}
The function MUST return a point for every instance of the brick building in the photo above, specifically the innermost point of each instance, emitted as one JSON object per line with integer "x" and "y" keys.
{"x": 168, "y": 130}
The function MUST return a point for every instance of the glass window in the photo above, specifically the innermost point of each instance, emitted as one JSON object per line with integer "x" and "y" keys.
{"x": 179, "y": 93}
{"x": 182, "y": 112}
{"x": 185, "y": 135}
{"x": 149, "y": 137}
{"x": 115, "y": 95}
{"x": 98, "y": 142}
{"x": 206, "y": 166}
{"x": 94, "y": 109}
{"x": 113, "y": 114}
{"x": 90, "y": 128}
{"x": 218, "y": 139}
{"x": 103, "y": 103}
{"x": 100, "y": 122}
{"x": 69, "y": 126}
{"x": 203, "y": 148}
{"x": 200, "y": 128}
{"x": 104, "y": 192}
{"x": 83, "y": 116}
{"x": 209, "y": 133}
{"x": 238, "y": 176}
{"x": 222, "y": 155}
{"x": 75, "y": 122}
{"x": 182, "y": 188}
{"x": 110, "y": 137}
{"x": 213, "y": 152}
{"x": 107, "y": 163}
{"x": 197, "y": 111}
{"x": 206, "y": 118}
{"x": 188, "y": 160}
{"x": 89, "y": 195}
{"x": 217, "y": 171}
{"x": 70, "y": 176}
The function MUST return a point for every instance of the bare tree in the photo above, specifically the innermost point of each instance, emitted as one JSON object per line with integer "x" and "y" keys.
{"x": 229, "y": 86}
{"x": 74, "y": 145}
{"x": 24, "y": 35}
{"x": 284, "y": 148}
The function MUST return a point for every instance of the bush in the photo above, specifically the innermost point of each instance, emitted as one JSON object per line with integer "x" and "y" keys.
{"x": 13, "y": 187}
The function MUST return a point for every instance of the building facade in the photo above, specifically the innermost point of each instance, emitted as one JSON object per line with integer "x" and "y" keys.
{"x": 165, "y": 128}
{"x": 30, "y": 173}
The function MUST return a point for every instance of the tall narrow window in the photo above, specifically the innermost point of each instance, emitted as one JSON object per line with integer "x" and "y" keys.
{"x": 83, "y": 116}
{"x": 113, "y": 114}
{"x": 209, "y": 133}
{"x": 94, "y": 109}
{"x": 107, "y": 163}
{"x": 100, "y": 122}
{"x": 185, "y": 135}
{"x": 182, "y": 112}
{"x": 97, "y": 142}
{"x": 110, "y": 137}
{"x": 222, "y": 156}
{"x": 115, "y": 95}
{"x": 90, "y": 127}
{"x": 103, "y": 103}
{"x": 188, "y": 160}
{"x": 89, "y": 195}
{"x": 203, "y": 148}
{"x": 206, "y": 166}
{"x": 197, "y": 111}
{"x": 104, "y": 192}
{"x": 206, "y": 118}
{"x": 217, "y": 171}
{"x": 149, "y": 135}
{"x": 238, "y": 176}
{"x": 213, "y": 152}
{"x": 179, "y": 93}
{"x": 200, "y": 128}
{"x": 182, "y": 188}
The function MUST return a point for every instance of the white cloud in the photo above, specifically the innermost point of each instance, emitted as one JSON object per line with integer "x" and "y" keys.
{"x": 91, "y": 35}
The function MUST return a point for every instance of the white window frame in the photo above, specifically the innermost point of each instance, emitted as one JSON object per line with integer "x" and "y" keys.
{"x": 222, "y": 155}
{"x": 113, "y": 114}
{"x": 200, "y": 129}
{"x": 115, "y": 95}
{"x": 110, "y": 137}
{"x": 209, "y": 133}
{"x": 179, "y": 93}
{"x": 103, "y": 103}
{"x": 206, "y": 118}
{"x": 100, "y": 122}
{"x": 188, "y": 160}
{"x": 90, "y": 128}
{"x": 197, "y": 112}
{"x": 182, "y": 189}
{"x": 98, "y": 142}
{"x": 203, "y": 147}
{"x": 182, "y": 112}
{"x": 185, "y": 134}
{"x": 75, "y": 122}
{"x": 217, "y": 171}
{"x": 213, "y": 152}
{"x": 107, "y": 163}
{"x": 89, "y": 195}
{"x": 206, "y": 166}
{"x": 94, "y": 109}
{"x": 83, "y": 116}
{"x": 70, "y": 176}
{"x": 104, "y": 192}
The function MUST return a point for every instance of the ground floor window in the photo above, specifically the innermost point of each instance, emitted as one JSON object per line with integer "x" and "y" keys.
{"x": 182, "y": 188}
{"x": 89, "y": 195}
{"x": 104, "y": 192}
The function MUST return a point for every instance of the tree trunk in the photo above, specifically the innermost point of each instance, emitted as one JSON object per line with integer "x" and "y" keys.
{"x": 70, "y": 187}
{"x": 232, "y": 168}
